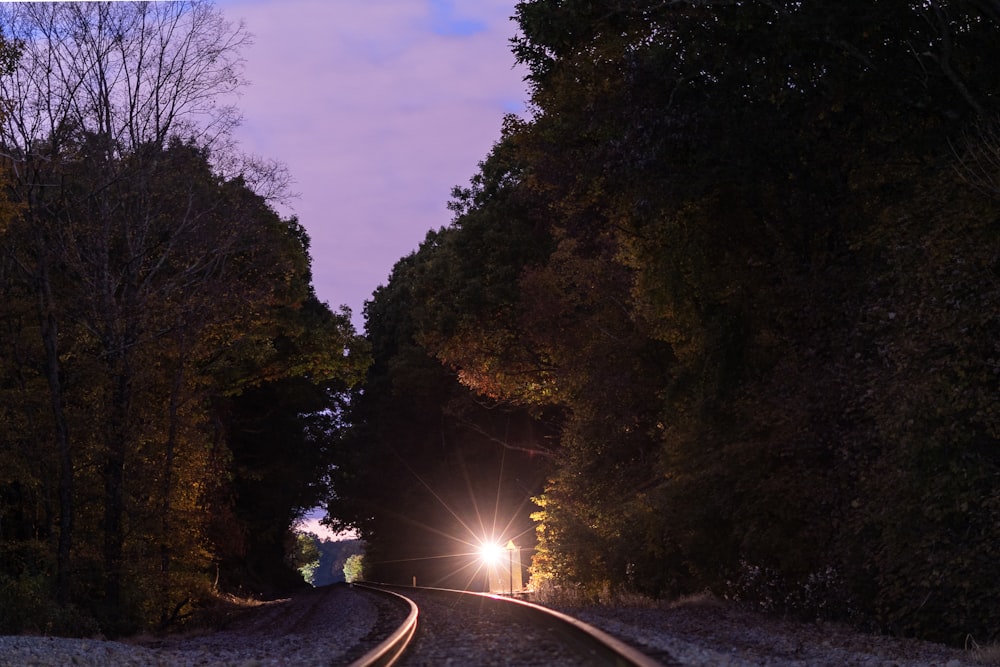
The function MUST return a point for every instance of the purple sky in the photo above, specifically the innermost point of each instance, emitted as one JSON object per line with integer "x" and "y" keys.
{"x": 378, "y": 108}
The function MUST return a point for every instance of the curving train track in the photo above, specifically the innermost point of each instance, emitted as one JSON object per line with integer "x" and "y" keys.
{"x": 340, "y": 625}
{"x": 461, "y": 628}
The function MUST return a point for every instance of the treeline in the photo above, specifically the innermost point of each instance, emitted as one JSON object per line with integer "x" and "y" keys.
{"x": 168, "y": 378}
{"x": 323, "y": 561}
{"x": 742, "y": 261}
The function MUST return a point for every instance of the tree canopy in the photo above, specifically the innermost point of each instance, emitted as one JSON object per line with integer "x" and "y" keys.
{"x": 740, "y": 261}
{"x": 151, "y": 302}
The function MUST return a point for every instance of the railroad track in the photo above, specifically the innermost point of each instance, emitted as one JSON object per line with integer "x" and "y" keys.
{"x": 463, "y": 628}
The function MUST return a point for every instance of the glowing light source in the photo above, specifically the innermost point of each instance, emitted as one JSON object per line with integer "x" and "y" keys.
{"x": 491, "y": 553}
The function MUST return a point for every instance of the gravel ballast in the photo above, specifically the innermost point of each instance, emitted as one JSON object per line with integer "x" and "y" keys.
{"x": 320, "y": 627}
{"x": 331, "y": 626}
{"x": 709, "y": 633}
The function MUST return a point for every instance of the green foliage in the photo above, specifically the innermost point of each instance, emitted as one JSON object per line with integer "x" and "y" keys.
{"x": 304, "y": 555}
{"x": 354, "y": 568}
{"x": 333, "y": 555}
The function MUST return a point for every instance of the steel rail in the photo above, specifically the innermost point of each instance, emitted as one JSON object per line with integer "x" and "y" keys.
{"x": 391, "y": 649}
{"x": 600, "y": 647}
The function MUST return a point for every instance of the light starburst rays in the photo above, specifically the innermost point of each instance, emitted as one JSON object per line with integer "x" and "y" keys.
{"x": 479, "y": 544}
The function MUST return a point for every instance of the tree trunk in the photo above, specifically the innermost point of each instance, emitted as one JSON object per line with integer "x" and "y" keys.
{"x": 50, "y": 342}
{"x": 166, "y": 506}
{"x": 114, "y": 482}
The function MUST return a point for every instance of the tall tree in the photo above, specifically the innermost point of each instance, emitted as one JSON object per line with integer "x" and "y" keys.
{"x": 719, "y": 194}
{"x": 97, "y": 82}
{"x": 162, "y": 287}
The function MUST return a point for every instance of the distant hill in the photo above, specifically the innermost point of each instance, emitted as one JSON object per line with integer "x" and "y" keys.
{"x": 332, "y": 556}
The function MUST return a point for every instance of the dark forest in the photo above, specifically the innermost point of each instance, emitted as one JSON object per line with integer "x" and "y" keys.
{"x": 168, "y": 379}
{"x": 726, "y": 304}
{"x": 720, "y": 313}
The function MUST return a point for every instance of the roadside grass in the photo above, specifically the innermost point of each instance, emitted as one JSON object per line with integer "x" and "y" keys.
{"x": 210, "y": 614}
{"x": 578, "y": 596}
{"x": 984, "y": 655}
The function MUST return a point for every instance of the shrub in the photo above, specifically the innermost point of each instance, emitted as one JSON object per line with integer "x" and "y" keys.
{"x": 354, "y": 568}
